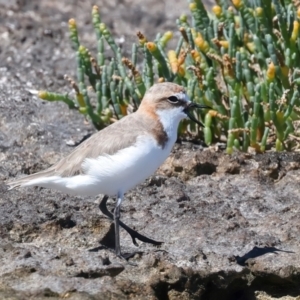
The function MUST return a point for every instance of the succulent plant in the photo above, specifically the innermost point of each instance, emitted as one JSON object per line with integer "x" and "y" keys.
{"x": 241, "y": 59}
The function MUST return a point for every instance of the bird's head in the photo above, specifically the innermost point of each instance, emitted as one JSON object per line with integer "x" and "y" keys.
{"x": 170, "y": 100}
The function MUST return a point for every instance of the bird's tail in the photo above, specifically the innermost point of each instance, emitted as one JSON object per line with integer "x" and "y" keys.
{"x": 30, "y": 180}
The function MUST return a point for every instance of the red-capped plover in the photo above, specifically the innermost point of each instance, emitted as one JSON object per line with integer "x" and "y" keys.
{"x": 122, "y": 155}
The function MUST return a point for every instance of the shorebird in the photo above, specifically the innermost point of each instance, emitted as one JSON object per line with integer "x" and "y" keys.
{"x": 124, "y": 154}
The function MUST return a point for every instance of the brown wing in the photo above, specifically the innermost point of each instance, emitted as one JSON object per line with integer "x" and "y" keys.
{"x": 115, "y": 137}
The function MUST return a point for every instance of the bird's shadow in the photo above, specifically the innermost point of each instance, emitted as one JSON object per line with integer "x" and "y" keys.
{"x": 256, "y": 252}
{"x": 97, "y": 249}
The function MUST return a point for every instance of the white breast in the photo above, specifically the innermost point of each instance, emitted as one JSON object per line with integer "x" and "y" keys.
{"x": 122, "y": 171}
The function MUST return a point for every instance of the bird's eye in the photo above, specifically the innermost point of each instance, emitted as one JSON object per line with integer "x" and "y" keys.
{"x": 173, "y": 99}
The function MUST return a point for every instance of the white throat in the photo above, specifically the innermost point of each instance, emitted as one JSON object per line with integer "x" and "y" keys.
{"x": 170, "y": 119}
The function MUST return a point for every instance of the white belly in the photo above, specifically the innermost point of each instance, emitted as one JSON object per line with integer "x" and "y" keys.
{"x": 113, "y": 174}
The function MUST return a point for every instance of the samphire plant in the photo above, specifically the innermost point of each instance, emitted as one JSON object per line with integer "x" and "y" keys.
{"x": 242, "y": 60}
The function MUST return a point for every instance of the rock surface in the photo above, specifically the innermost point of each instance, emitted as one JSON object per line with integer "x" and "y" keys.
{"x": 230, "y": 224}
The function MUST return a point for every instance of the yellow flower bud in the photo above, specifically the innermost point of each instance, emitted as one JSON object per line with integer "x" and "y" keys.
{"x": 217, "y": 10}
{"x": 173, "y": 61}
{"x": 251, "y": 47}
{"x": 123, "y": 108}
{"x": 42, "y": 94}
{"x": 72, "y": 23}
{"x": 151, "y": 46}
{"x": 181, "y": 58}
{"x": 80, "y": 100}
{"x": 271, "y": 71}
{"x": 258, "y": 11}
{"x": 82, "y": 49}
{"x": 183, "y": 18}
{"x": 224, "y": 44}
{"x": 181, "y": 71}
{"x": 196, "y": 56}
{"x": 295, "y": 31}
{"x": 193, "y": 6}
{"x": 213, "y": 113}
{"x": 166, "y": 37}
{"x": 83, "y": 110}
{"x": 201, "y": 43}
{"x": 237, "y": 3}
{"x": 95, "y": 9}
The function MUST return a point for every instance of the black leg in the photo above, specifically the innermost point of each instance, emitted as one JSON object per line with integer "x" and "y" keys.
{"x": 134, "y": 234}
{"x": 117, "y": 227}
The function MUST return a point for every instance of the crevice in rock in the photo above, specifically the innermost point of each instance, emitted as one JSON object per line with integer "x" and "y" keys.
{"x": 206, "y": 168}
{"x": 66, "y": 222}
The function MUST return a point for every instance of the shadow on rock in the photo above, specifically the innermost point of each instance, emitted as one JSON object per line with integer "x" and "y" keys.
{"x": 256, "y": 252}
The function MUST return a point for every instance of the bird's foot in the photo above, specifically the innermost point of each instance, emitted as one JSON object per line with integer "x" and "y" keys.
{"x": 135, "y": 235}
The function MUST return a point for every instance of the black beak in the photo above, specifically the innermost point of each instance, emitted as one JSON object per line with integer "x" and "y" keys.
{"x": 188, "y": 111}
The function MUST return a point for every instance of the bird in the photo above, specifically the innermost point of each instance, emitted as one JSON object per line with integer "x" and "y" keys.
{"x": 122, "y": 155}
